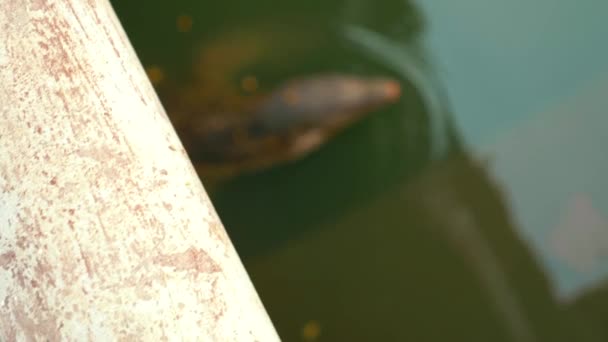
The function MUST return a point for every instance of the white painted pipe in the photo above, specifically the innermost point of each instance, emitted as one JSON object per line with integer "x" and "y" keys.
{"x": 106, "y": 232}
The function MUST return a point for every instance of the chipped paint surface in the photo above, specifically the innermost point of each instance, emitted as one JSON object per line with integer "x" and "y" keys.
{"x": 105, "y": 231}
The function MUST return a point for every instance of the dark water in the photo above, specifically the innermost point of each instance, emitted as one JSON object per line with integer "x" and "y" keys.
{"x": 475, "y": 209}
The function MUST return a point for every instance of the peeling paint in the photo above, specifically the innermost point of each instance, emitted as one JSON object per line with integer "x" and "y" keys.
{"x": 192, "y": 259}
{"x": 105, "y": 231}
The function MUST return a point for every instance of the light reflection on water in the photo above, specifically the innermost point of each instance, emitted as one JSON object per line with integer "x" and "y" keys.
{"x": 553, "y": 166}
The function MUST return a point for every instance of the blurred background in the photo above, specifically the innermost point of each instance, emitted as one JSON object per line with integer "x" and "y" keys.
{"x": 473, "y": 209}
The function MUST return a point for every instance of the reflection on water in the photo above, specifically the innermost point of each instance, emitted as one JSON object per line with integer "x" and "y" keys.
{"x": 408, "y": 60}
{"x": 502, "y": 61}
{"x": 556, "y": 177}
{"x": 391, "y": 231}
{"x": 432, "y": 259}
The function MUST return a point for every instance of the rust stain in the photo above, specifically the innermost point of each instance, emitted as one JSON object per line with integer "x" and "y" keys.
{"x": 34, "y": 325}
{"x": 7, "y": 327}
{"x": 44, "y": 46}
{"x": 65, "y": 100}
{"x": 7, "y": 258}
{"x": 43, "y": 270}
{"x": 125, "y": 42}
{"x": 161, "y": 183}
{"x": 22, "y": 242}
{"x": 143, "y": 286}
{"x": 134, "y": 84}
{"x": 18, "y": 275}
{"x": 77, "y": 17}
{"x": 107, "y": 158}
{"x": 102, "y": 225}
{"x": 192, "y": 259}
{"x": 218, "y": 233}
{"x": 218, "y": 303}
{"x": 111, "y": 41}
{"x": 51, "y": 28}
{"x": 87, "y": 262}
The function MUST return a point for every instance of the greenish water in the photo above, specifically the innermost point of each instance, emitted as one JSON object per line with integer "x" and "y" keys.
{"x": 440, "y": 217}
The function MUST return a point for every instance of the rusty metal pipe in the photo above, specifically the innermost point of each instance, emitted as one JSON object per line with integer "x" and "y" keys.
{"x": 106, "y": 233}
